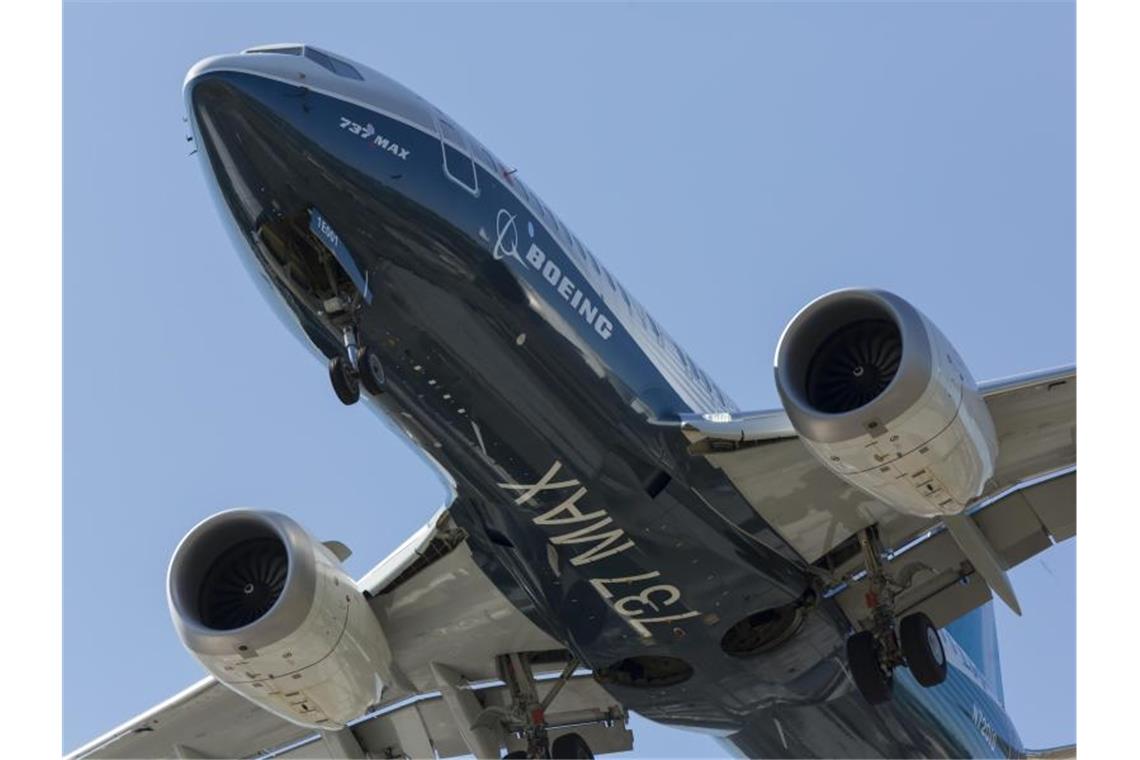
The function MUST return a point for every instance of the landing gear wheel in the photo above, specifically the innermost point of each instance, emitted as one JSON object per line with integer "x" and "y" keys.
{"x": 863, "y": 657}
{"x": 344, "y": 381}
{"x": 922, "y": 648}
{"x": 371, "y": 371}
{"x": 570, "y": 746}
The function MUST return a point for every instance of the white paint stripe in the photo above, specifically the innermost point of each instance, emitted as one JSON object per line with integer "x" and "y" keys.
{"x": 780, "y": 731}
{"x": 479, "y": 437}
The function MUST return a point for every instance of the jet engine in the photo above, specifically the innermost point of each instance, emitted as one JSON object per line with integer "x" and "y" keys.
{"x": 879, "y": 395}
{"x": 272, "y": 614}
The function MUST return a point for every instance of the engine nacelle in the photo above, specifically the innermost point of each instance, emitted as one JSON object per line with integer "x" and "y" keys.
{"x": 880, "y": 396}
{"x": 273, "y": 615}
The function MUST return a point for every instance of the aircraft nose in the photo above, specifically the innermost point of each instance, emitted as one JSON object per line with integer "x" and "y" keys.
{"x": 251, "y": 120}
{"x": 244, "y": 73}
{"x": 233, "y": 130}
{"x": 281, "y": 61}
{"x": 204, "y": 68}
{"x": 263, "y": 138}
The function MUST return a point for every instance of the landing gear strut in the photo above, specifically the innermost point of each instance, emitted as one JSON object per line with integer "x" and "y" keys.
{"x": 355, "y": 368}
{"x": 529, "y": 712}
{"x": 874, "y": 654}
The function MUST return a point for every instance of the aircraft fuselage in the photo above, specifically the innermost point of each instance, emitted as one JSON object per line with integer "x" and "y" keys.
{"x": 549, "y": 399}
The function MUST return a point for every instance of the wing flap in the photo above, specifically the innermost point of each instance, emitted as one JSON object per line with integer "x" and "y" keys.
{"x": 1055, "y": 504}
{"x": 1013, "y": 528}
{"x": 1036, "y": 421}
{"x": 424, "y": 726}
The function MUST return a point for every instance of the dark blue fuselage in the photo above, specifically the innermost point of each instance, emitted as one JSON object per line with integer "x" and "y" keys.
{"x": 545, "y": 394}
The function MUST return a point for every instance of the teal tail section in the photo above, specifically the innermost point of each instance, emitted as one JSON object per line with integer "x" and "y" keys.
{"x": 976, "y": 634}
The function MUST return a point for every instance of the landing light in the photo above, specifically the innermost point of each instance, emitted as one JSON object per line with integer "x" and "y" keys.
{"x": 717, "y": 416}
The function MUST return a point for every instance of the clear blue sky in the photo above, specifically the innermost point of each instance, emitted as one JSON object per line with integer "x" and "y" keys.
{"x": 727, "y": 163}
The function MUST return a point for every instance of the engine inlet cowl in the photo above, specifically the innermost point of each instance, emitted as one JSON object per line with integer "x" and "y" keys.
{"x": 257, "y": 601}
{"x": 883, "y": 400}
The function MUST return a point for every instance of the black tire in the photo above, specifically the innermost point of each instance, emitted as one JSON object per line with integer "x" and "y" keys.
{"x": 371, "y": 371}
{"x": 570, "y": 746}
{"x": 873, "y": 681}
{"x": 344, "y": 381}
{"x": 922, "y": 649}
{"x": 518, "y": 754}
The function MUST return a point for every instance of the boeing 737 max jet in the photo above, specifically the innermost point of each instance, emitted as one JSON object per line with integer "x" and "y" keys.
{"x": 810, "y": 581}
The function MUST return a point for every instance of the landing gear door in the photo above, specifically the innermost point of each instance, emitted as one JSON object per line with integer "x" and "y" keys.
{"x": 457, "y": 162}
{"x": 324, "y": 232}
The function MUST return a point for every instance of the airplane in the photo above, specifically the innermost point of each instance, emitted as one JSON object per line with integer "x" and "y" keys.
{"x": 810, "y": 581}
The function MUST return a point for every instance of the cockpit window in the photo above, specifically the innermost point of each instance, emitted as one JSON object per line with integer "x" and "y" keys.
{"x": 319, "y": 57}
{"x": 345, "y": 69}
{"x": 335, "y": 65}
{"x": 283, "y": 50}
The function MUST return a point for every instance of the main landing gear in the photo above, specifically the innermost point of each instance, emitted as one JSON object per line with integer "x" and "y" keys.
{"x": 874, "y": 654}
{"x": 355, "y": 368}
{"x": 527, "y": 715}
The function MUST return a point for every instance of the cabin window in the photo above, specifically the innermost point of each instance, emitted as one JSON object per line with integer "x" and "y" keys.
{"x": 562, "y": 228}
{"x": 609, "y": 279}
{"x": 486, "y": 157}
{"x": 576, "y": 249}
{"x": 593, "y": 262}
{"x": 625, "y": 296}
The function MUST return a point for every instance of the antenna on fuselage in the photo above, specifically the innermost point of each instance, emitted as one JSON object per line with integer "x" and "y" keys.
{"x": 189, "y": 137}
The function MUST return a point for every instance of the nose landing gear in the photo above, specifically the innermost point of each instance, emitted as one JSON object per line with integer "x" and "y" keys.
{"x": 371, "y": 371}
{"x": 874, "y": 654}
{"x": 345, "y": 382}
{"x": 356, "y": 367}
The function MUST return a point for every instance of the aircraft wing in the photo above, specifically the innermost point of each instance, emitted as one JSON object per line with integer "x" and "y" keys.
{"x": 447, "y": 624}
{"x": 1028, "y": 505}
{"x": 209, "y": 720}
